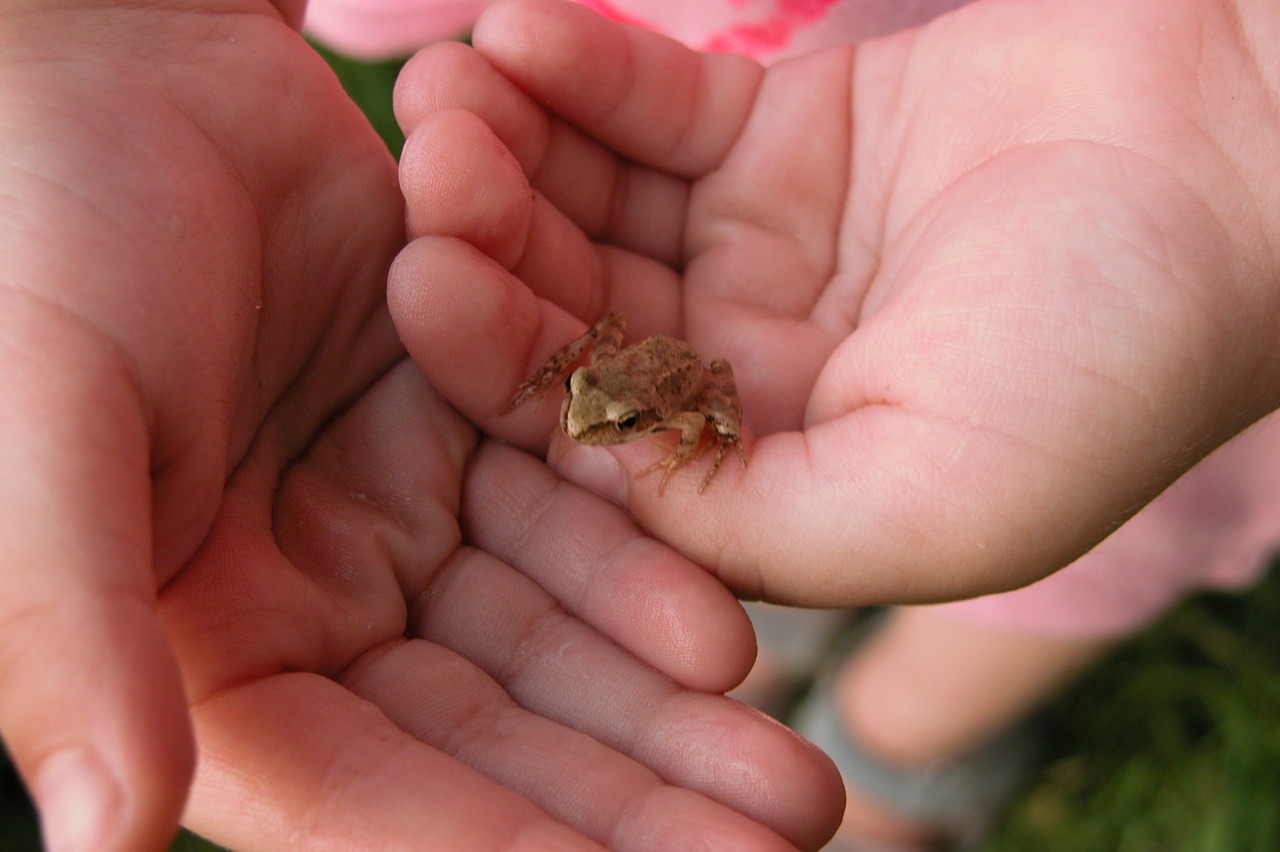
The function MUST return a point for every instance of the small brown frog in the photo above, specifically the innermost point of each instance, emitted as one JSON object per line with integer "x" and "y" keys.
{"x": 622, "y": 394}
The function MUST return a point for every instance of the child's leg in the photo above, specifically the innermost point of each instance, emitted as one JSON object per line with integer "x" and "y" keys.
{"x": 928, "y": 687}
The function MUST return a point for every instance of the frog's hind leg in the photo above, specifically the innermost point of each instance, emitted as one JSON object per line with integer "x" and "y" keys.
{"x": 602, "y": 339}
{"x": 691, "y": 425}
{"x": 723, "y": 410}
{"x": 607, "y": 334}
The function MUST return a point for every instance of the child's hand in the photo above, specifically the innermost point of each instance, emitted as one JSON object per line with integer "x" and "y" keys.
{"x": 987, "y": 287}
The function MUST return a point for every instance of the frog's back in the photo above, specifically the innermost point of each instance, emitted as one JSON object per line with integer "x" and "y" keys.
{"x": 662, "y": 370}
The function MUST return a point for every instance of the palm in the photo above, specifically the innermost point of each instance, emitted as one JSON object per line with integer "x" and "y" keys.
{"x": 341, "y": 562}
{"x": 991, "y": 288}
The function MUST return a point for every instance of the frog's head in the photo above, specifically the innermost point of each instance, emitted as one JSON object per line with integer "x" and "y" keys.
{"x": 595, "y": 413}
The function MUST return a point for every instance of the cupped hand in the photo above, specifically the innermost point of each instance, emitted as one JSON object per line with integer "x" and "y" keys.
{"x": 409, "y": 639}
{"x": 987, "y": 286}
{"x": 229, "y": 500}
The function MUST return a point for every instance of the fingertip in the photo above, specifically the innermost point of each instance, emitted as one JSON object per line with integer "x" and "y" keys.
{"x": 466, "y": 321}
{"x": 423, "y": 85}
{"x": 460, "y": 180}
{"x": 555, "y": 50}
{"x": 507, "y": 26}
{"x": 102, "y": 736}
{"x": 453, "y": 76}
{"x": 643, "y": 93}
{"x": 81, "y": 801}
{"x": 446, "y": 296}
{"x": 510, "y": 29}
{"x": 84, "y": 805}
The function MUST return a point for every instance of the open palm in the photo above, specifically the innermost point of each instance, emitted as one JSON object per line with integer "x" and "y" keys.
{"x": 987, "y": 286}
{"x": 226, "y": 487}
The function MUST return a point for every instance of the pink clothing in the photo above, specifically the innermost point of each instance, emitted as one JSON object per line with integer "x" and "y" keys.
{"x": 378, "y": 29}
{"x": 771, "y": 29}
{"x": 1215, "y": 528}
{"x": 763, "y": 29}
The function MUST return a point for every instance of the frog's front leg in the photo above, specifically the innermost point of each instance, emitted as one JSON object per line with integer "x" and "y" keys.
{"x": 720, "y": 403}
{"x": 603, "y": 340}
{"x": 690, "y": 424}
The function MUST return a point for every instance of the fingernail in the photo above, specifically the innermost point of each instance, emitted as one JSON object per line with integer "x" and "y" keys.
{"x": 596, "y": 470}
{"x": 81, "y": 803}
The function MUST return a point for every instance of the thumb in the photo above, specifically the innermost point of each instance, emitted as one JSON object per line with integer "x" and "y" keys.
{"x": 854, "y": 512}
{"x": 91, "y": 703}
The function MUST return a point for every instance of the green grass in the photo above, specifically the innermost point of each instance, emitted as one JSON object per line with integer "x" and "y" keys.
{"x": 1172, "y": 745}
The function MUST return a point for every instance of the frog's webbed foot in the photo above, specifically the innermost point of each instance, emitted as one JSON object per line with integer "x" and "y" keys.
{"x": 603, "y": 338}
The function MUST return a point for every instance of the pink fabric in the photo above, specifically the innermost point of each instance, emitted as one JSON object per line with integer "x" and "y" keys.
{"x": 771, "y": 29}
{"x": 1214, "y": 529}
{"x": 763, "y": 29}
{"x": 377, "y": 29}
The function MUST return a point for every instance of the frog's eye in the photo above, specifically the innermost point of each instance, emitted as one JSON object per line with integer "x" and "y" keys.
{"x": 627, "y": 421}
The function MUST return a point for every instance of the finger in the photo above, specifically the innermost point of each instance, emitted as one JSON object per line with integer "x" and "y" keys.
{"x": 660, "y": 606}
{"x": 781, "y": 211}
{"x": 477, "y": 332}
{"x": 839, "y": 514}
{"x": 450, "y": 76}
{"x": 474, "y": 344}
{"x": 755, "y": 261}
{"x": 560, "y": 669}
{"x": 608, "y": 197}
{"x": 298, "y": 760}
{"x": 664, "y": 609}
{"x": 296, "y": 577}
{"x": 780, "y": 242}
{"x": 461, "y": 182}
{"x": 775, "y": 218}
{"x": 627, "y": 87}
{"x": 91, "y": 706}
{"x": 577, "y": 780}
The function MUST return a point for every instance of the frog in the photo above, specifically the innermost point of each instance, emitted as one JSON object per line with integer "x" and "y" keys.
{"x": 657, "y": 384}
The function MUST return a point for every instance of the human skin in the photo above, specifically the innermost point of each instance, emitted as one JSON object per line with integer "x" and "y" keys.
{"x": 988, "y": 286}
{"x": 238, "y": 525}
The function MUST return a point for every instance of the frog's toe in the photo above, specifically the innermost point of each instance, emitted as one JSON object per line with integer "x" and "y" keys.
{"x": 668, "y": 464}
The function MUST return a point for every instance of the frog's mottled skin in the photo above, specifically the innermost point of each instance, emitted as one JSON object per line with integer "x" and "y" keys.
{"x": 626, "y": 393}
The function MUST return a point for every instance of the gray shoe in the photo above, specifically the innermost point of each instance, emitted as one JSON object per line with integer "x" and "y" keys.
{"x": 959, "y": 798}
